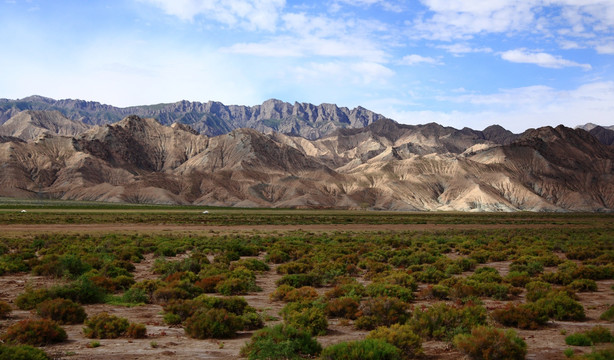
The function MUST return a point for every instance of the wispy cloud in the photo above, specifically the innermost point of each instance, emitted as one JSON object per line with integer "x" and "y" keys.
{"x": 415, "y": 59}
{"x": 459, "y": 49}
{"x": 540, "y": 59}
{"x": 252, "y": 14}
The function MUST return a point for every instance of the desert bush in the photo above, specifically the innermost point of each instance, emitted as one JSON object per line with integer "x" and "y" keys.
{"x": 34, "y": 332}
{"x": 281, "y": 292}
{"x": 524, "y": 316}
{"x": 305, "y": 293}
{"x": 442, "y": 321}
{"x": 277, "y": 256}
{"x": 380, "y": 289}
{"x": 209, "y": 283}
{"x": 22, "y": 352}
{"x": 212, "y": 323}
{"x": 559, "y": 305}
{"x": 252, "y": 321}
{"x": 310, "y": 319}
{"x": 345, "y": 307}
{"x": 381, "y": 311}
{"x": 537, "y": 290}
{"x": 250, "y": 264}
{"x": 368, "y": 349}
{"x": 400, "y": 336}
{"x": 602, "y": 354}
{"x": 82, "y": 290}
{"x": 136, "y": 331}
{"x": 352, "y": 289}
{"x": 578, "y": 339}
{"x": 599, "y": 334}
{"x": 29, "y": 299}
{"x": 280, "y": 342}
{"x": 61, "y": 310}
{"x": 583, "y": 285}
{"x": 435, "y": 292}
{"x": 294, "y": 267}
{"x": 518, "y": 279}
{"x": 608, "y": 314}
{"x": 105, "y": 326}
{"x": 490, "y": 343}
{"x": 5, "y": 309}
{"x": 300, "y": 280}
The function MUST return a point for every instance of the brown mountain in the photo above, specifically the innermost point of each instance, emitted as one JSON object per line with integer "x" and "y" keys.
{"x": 384, "y": 165}
{"x": 30, "y": 124}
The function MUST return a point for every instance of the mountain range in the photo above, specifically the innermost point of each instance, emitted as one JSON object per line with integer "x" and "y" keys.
{"x": 330, "y": 158}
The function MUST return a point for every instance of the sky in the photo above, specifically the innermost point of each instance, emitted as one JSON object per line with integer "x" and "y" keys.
{"x": 462, "y": 63}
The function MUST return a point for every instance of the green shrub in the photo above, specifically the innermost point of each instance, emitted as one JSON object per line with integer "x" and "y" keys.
{"x": 368, "y": 349}
{"x": 381, "y": 311}
{"x": 583, "y": 285}
{"x": 280, "y": 293}
{"x": 603, "y": 354}
{"x": 559, "y": 305}
{"x": 599, "y": 334}
{"x": 252, "y": 321}
{"x": 537, "y": 290}
{"x": 352, "y": 289}
{"x": 400, "y": 336}
{"x": 62, "y": 310}
{"x": 35, "y": 332}
{"x": 136, "y": 331}
{"x": 442, "y": 321}
{"x": 345, "y": 307}
{"x": 608, "y": 314}
{"x": 523, "y": 316}
{"x": 300, "y": 280}
{"x": 5, "y": 309}
{"x": 212, "y": 323}
{"x": 251, "y": 264}
{"x": 29, "y": 299}
{"x": 22, "y": 352}
{"x": 578, "y": 339}
{"x": 280, "y": 342}
{"x": 105, "y": 326}
{"x": 390, "y": 290}
{"x": 490, "y": 343}
{"x": 135, "y": 296}
{"x": 309, "y": 319}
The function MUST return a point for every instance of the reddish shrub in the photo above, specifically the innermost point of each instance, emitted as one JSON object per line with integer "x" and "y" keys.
{"x": 35, "y": 332}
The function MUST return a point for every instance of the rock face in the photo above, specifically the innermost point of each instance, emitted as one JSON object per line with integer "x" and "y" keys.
{"x": 383, "y": 165}
{"x": 211, "y": 118}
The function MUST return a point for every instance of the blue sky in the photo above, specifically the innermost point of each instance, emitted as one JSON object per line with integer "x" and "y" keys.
{"x": 517, "y": 63}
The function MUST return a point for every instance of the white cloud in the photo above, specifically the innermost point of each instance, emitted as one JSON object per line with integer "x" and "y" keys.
{"x": 307, "y": 35}
{"x": 253, "y": 14}
{"x": 605, "y": 48}
{"x": 386, "y": 5}
{"x": 464, "y": 19}
{"x": 540, "y": 59}
{"x": 342, "y": 73}
{"x": 415, "y": 59}
{"x": 460, "y": 48}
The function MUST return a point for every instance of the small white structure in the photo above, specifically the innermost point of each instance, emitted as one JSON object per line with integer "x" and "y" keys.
{"x": 205, "y": 212}
{"x": 23, "y": 211}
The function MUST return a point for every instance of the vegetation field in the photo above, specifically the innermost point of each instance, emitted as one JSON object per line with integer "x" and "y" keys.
{"x": 80, "y": 281}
